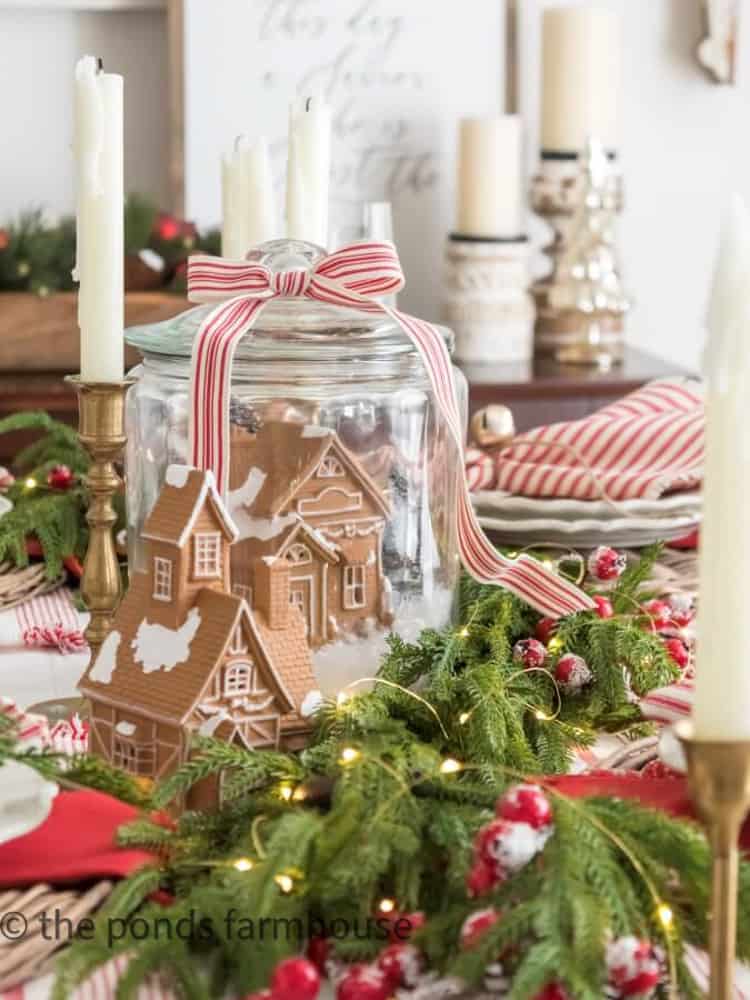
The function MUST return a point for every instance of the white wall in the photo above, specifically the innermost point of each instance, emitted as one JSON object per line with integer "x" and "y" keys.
{"x": 685, "y": 146}
{"x": 38, "y": 52}
{"x": 685, "y": 141}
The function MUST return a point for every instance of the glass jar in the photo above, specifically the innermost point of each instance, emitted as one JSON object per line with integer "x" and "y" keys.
{"x": 339, "y": 462}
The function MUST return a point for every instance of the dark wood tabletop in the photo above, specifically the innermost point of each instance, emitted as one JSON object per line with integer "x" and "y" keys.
{"x": 543, "y": 390}
{"x": 539, "y": 392}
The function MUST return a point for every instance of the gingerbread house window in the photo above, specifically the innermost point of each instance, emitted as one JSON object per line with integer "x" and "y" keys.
{"x": 237, "y": 679}
{"x": 330, "y": 468}
{"x": 207, "y": 555}
{"x": 162, "y": 579}
{"x": 298, "y": 554}
{"x": 136, "y": 758}
{"x": 354, "y": 587}
{"x": 238, "y": 644}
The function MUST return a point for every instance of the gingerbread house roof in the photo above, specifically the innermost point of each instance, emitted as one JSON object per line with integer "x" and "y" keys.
{"x": 182, "y": 498}
{"x": 162, "y": 673}
{"x": 293, "y": 451}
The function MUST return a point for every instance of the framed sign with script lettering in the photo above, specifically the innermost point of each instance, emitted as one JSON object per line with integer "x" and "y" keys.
{"x": 398, "y": 73}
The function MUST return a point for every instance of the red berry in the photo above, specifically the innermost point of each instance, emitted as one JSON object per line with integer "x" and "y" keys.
{"x": 167, "y": 227}
{"x": 406, "y": 924}
{"x": 476, "y": 926}
{"x": 606, "y": 563}
{"x": 364, "y": 982}
{"x": 545, "y": 629}
{"x": 552, "y": 991}
{"x": 525, "y": 804}
{"x": 659, "y": 613}
{"x": 401, "y": 963}
{"x": 319, "y": 951}
{"x": 683, "y": 609}
{"x": 295, "y": 979}
{"x": 678, "y": 652}
{"x": 572, "y": 673}
{"x": 658, "y": 769}
{"x": 60, "y": 478}
{"x": 530, "y": 653}
{"x": 604, "y": 607}
{"x": 483, "y": 876}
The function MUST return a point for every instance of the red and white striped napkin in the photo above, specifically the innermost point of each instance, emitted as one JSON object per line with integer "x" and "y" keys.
{"x": 669, "y": 704}
{"x": 640, "y": 447}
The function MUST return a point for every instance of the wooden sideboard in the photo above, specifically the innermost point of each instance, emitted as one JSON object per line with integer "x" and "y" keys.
{"x": 544, "y": 391}
{"x": 539, "y": 392}
{"x": 39, "y": 346}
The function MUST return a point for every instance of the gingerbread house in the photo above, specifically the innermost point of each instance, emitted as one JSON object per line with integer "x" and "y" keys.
{"x": 186, "y": 658}
{"x": 312, "y": 519}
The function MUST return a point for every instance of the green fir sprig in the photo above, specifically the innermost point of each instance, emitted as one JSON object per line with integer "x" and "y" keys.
{"x": 385, "y": 802}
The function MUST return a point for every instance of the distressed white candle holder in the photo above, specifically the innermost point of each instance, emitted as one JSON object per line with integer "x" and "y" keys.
{"x": 486, "y": 298}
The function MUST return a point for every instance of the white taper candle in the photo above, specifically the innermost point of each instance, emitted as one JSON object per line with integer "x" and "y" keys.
{"x": 308, "y": 176}
{"x": 248, "y": 211}
{"x": 722, "y": 682}
{"x": 100, "y": 205}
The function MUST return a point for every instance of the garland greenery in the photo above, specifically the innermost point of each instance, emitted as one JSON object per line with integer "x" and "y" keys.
{"x": 39, "y": 256}
{"x": 385, "y": 803}
{"x": 46, "y": 520}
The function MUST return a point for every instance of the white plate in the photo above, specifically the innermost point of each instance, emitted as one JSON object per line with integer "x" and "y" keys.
{"x": 509, "y": 505}
{"x": 587, "y": 533}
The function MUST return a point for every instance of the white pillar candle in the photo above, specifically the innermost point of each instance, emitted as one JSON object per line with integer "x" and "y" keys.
{"x": 248, "y": 214}
{"x": 100, "y": 205}
{"x": 722, "y": 682}
{"x": 490, "y": 182}
{"x": 581, "y": 77}
{"x": 308, "y": 176}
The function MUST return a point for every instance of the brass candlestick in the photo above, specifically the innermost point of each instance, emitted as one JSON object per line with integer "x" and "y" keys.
{"x": 719, "y": 779}
{"x": 101, "y": 428}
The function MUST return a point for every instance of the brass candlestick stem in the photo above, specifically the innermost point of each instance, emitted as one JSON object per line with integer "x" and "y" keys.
{"x": 719, "y": 779}
{"x": 101, "y": 428}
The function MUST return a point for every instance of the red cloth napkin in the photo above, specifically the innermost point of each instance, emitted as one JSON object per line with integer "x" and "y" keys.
{"x": 75, "y": 842}
{"x": 670, "y": 795}
{"x": 647, "y": 443}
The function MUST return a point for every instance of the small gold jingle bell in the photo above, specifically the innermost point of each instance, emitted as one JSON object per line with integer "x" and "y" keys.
{"x": 493, "y": 426}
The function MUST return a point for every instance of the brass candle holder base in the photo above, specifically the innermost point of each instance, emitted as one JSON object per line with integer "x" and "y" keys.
{"x": 101, "y": 428}
{"x": 719, "y": 780}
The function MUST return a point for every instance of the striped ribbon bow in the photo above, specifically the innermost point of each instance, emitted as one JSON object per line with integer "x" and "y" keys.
{"x": 351, "y": 277}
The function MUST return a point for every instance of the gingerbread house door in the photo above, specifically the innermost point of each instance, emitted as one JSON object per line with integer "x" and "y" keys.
{"x": 304, "y": 586}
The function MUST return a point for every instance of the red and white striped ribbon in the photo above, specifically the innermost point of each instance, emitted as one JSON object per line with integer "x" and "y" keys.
{"x": 669, "y": 704}
{"x": 351, "y": 278}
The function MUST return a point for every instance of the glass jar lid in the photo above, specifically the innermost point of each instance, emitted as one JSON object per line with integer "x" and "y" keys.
{"x": 287, "y": 327}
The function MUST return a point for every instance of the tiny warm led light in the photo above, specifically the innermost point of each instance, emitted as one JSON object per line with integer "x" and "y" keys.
{"x": 243, "y": 864}
{"x": 548, "y": 563}
{"x": 284, "y": 882}
{"x": 299, "y": 794}
{"x": 512, "y": 555}
{"x": 450, "y": 766}
{"x": 464, "y": 633}
{"x": 464, "y": 718}
{"x": 665, "y": 915}
{"x": 341, "y": 698}
{"x": 349, "y": 755}
{"x": 30, "y": 483}
{"x": 286, "y": 792}
{"x": 387, "y": 905}
{"x": 542, "y": 716}
{"x": 555, "y": 644}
